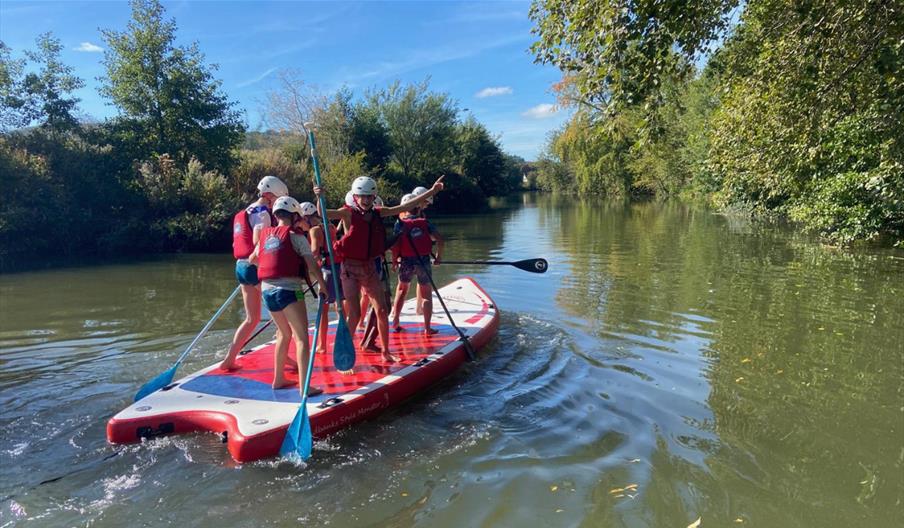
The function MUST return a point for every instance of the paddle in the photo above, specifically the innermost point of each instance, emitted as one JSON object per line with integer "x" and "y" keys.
{"x": 166, "y": 377}
{"x": 537, "y": 265}
{"x": 370, "y": 330}
{"x": 299, "y": 440}
{"x": 468, "y": 348}
{"x": 343, "y": 345}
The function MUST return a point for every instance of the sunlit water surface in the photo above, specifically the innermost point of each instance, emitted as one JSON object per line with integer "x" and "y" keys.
{"x": 673, "y": 365}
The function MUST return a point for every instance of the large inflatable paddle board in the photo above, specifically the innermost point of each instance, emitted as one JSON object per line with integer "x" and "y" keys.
{"x": 242, "y": 406}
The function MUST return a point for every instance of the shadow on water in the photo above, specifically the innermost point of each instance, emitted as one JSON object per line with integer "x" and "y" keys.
{"x": 671, "y": 364}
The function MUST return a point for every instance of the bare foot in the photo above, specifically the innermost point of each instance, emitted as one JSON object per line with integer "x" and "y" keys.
{"x": 314, "y": 391}
{"x": 372, "y": 348}
{"x": 389, "y": 358}
{"x": 396, "y": 327}
{"x": 230, "y": 366}
{"x": 430, "y": 331}
{"x": 348, "y": 372}
{"x": 281, "y": 383}
{"x": 320, "y": 351}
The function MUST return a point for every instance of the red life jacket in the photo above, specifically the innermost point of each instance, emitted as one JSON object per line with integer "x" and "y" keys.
{"x": 276, "y": 257}
{"x": 364, "y": 240}
{"x": 419, "y": 229}
{"x": 243, "y": 234}
{"x": 324, "y": 253}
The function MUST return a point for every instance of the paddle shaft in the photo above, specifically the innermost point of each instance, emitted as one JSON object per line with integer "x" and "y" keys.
{"x": 209, "y": 324}
{"x": 326, "y": 221}
{"x": 442, "y": 303}
{"x": 532, "y": 265}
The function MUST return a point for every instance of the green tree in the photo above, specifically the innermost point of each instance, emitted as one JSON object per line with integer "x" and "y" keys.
{"x": 618, "y": 53}
{"x": 420, "y": 126}
{"x": 42, "y": 96}
{"x": 481, "y": 159}
{"x": 169, "y": 101}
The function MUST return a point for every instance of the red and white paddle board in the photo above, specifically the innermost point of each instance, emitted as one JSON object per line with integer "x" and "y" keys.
{"x": 254, "y": 417}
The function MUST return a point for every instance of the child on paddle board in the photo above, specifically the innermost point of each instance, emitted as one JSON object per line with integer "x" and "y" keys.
{"x": 419, "y": 190}
{"x": 280, "y": 254}
{"x": 411, "y": 256}
{"x": 364, "y": 241}
{"x": 246, "y": 228}
{"x": 321, "y": 254}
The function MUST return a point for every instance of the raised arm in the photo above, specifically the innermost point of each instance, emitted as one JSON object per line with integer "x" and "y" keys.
{"x": 411, "y": 204}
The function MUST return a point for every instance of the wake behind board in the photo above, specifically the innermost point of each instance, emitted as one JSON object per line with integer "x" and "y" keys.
{"x": 254, "y": 417}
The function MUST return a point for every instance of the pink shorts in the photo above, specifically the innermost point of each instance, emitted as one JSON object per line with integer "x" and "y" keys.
{"x": 361, "y": 274}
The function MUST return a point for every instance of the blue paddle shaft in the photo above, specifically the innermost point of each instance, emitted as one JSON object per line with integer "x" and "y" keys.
{"x": 298, "y": 439}
{"x": 165, "y": 378}
{"x": 343, "y": 345}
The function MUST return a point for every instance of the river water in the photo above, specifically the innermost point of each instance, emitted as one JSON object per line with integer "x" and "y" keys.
{"x": 672, "y": 365}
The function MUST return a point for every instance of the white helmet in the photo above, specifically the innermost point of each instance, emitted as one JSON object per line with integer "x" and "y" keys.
{"x": 364, "y": 186}
{"x": 272, "y": 184}
{"x": 407, "y": 198}
{"x": 287, "y": 203}
{"x": 307, "y": 209}
{"x": 421, "y": 190}
{"x": 350, "y": 199}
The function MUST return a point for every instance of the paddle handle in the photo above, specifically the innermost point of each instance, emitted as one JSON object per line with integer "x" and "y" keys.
{"x": 210, "y": 323}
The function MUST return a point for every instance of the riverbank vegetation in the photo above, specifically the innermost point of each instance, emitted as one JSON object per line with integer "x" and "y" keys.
{"x": 177, "y": 161}
{"x": 797, "y": 111}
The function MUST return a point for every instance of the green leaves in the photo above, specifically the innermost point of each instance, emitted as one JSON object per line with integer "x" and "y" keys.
{"x": 168, "y": 92}
{"x": 620, "y": 52}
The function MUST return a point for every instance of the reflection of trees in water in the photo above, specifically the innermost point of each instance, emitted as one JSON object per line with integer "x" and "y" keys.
{"x": 477, "y": 237}
{"x": 805, "y": 341}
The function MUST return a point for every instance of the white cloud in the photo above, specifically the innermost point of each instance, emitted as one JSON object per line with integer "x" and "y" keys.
{"x": 493, "y": 91}
{"x": 90, "y": 48}
{"x": 541, "y": 111}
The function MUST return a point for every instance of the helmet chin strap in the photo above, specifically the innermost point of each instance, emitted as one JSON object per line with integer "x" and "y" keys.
{"x": 358, "y": 205}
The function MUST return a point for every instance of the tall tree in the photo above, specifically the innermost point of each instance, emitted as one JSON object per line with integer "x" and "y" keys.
{"x": 169, "y": 99}
{"x": 481, "y": 159}
{"x": 40, "y": 94}
{"x": 421, "y": 127}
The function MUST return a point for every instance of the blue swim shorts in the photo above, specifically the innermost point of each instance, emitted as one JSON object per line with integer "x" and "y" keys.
{"x": 277, "y": 299}
{"x": 246, "y": 273}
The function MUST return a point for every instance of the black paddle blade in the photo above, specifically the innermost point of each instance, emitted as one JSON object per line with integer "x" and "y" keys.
{"x": 532, "y": 265}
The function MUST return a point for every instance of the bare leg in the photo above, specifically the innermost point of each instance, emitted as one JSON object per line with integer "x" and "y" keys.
{"x": 352, "y": 305}
{"x": 401, "y": 292}
{"x": 251, "y": 297}
{"x": 383, "y": 327}
{"x": 282, "y": 347}
{"x": 420, "y": 302}
{"x": 297, "y": 316}
{"x": 324, "y": 328}
{"x": 426, "y": 294}
{"x": 363, "y": 309}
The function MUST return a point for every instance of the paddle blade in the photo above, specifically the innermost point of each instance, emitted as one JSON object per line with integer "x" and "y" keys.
{"x": 298, "y": 441}
{"x": 532, "y": 265}
{"x": 343, "y": 347}
{"x": 162, "y": 380}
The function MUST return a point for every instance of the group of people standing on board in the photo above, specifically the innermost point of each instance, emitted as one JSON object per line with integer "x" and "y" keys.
{"x": 280, "y": 247}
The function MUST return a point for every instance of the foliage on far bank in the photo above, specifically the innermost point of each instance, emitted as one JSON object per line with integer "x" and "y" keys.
{"x": 798, "y": 113}
{"x": 169, "y": 171}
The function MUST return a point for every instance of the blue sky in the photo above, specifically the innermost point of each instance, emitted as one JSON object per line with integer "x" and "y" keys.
{"x": 475, "y": 51}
